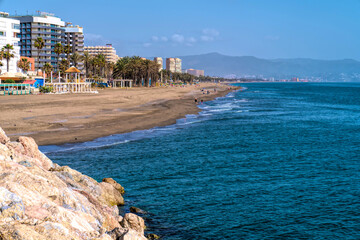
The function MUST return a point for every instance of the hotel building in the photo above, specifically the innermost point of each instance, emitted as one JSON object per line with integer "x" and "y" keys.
{"x": 49, "y": 28}
{"x": 195, "y": 72}
{"x": 74, "y": 37}
{"x": 9, "y": 34}
{"x": 108, "y": 51}
{"x": 159, "y": 61}
{"x": 173, "y": 65}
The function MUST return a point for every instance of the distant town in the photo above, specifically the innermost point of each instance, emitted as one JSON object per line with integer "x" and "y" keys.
{"x": 42, "y": 48}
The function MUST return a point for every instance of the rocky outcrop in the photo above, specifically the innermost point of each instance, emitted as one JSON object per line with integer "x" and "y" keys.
{"x": 42, "y": 200}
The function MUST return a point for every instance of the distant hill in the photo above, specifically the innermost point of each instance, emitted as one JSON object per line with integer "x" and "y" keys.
{"x": 216, "y": 64}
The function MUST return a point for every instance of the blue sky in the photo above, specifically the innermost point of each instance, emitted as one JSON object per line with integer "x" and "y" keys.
{"x": 321, "y": 29}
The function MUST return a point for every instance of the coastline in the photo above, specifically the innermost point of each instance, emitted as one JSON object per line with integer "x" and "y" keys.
{"x": 156, "y": 107}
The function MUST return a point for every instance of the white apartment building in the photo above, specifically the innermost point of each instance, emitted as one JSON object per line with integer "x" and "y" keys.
{"x": 108, "y": 51}
{"x": 9, "y": 34}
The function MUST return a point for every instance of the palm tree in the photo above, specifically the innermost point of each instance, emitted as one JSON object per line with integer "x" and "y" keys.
{"x": 39, "y": 44}
{"x": 63, "y": 66}
{"x": 101, "y": 62}
{"x": 87, "y": 61}
{"x": 75, "y": 59}
{"x": 24, "y": 64}
{"x": 47, "y": 68}
{"x": 67, "y": 50}
{"x": 8, "y": 54}
{"x": 58, "y": 49}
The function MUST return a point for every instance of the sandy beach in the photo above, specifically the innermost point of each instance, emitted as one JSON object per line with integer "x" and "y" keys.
{"x": 58, "y": 119}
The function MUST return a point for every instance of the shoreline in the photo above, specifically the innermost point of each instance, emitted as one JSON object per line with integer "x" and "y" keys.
{"x": 152, "y": 111}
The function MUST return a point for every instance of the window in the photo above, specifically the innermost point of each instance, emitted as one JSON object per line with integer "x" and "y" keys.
{"x": 2, "y": 33}
{"x": 15, "y": 26}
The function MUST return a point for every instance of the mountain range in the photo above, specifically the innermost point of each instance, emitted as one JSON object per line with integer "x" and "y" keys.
{"x": 216, "y": 64}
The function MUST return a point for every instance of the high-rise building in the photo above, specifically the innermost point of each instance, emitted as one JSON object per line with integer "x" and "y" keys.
{"x": 49, "y": 28}
{"x": 173, "y": 65}
{"x": 159, "y": 61}
{"x": 74, "y": 37}
{"x": 178, "y": 65}
{"x": 9, "y": 34}
{"x": 195, "y": 72}
{"x": 108, "y": 51}
{"x": 170, "y": 64}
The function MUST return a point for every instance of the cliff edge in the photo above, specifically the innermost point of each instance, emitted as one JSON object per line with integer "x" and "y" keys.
{"x": 42, "y": 200}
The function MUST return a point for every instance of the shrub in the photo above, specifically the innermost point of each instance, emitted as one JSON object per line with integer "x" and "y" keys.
{"x": 9, "y": 81}
{"x": 46, "y": 89}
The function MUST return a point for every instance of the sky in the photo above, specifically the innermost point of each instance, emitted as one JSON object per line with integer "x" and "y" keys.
{"x": 320, "y": 29}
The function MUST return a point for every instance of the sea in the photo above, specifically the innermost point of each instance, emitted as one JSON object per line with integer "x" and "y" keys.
{"x": 270, "y": 161}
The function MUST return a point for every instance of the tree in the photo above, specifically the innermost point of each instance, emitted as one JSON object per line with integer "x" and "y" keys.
{"x": 64, "y": 65}
{"x": 24, "y": 64}
{"x": 75, "y": 59}
{"x": 87, "y": 61}
{"x": 47, "y": 68}
{"x": 39, "y": 44}
{"x": 58, "y": 49}
{"x": 8, "y": 54}
{"x": 67, "y": 50}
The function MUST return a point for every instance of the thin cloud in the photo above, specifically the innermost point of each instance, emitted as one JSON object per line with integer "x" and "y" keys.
{"x": 147, "y": 45}
{"x": 177, "y": 38}
{"x": 210, "y": 32}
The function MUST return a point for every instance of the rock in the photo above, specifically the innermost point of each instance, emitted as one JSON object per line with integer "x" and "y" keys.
{"x": 42, "y": 200}
{"x": 11, "y": 206}
{"x": 3, "y": 138}
{"x": 110, "y": 196}
{"x": 116, "y": 185}
{"x": 136, "y": 210}
{"x": 152, "y": 236}
{"x": 116, "y": 233}
{"x": 134, "y": 222}
{"x": 132, "y": 235}
{"x": 31, "y": 149}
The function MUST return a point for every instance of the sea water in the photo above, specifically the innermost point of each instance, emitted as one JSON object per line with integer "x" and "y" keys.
{"x": 273, "y": 161}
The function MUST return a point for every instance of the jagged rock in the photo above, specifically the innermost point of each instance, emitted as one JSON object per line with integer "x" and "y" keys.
{"x": 132, "y": 235}
{"x": 116, "y": 185}
{"x": 3, "y": 138}
{"x": 11, "y": 206}
{"x": 134, "y": 222}
{"x": 41, "y": 200}
{"x": 32, "y": 150}
{"x": 152, "y": 236}
{"x": 136, "y": 210}
{"x": 110, "y": 196}
{"x": 116, "y": 233}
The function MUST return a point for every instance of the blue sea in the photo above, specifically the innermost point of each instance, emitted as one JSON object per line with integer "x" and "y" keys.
{"x": 273, "y": 161}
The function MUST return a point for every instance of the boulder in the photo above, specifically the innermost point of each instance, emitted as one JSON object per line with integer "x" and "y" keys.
{"x": 3, "y": 138}
{"x": 116, "y": 185}
{"x": 134, "y": 222}
{"x": 132, "y": 235}
{"x": 136, "y": 210}
{"x": 152, "y": 236}
{"x": 109, "y": 195}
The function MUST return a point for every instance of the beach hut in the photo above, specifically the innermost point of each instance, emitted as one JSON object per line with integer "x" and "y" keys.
{"x": 73, "y": 71}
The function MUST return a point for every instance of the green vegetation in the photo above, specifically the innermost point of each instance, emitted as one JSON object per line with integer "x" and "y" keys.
{"x": 9, "y": 81}
{"x": 58, "y": 49}
{"x": 24, "y": 64}
{"x": 7, "y": 53}
{"x": 137, "y": 69}
{"x": 47, "y": 68}
{"x": 39, "y": 44}
{"x": 46, "y": 89}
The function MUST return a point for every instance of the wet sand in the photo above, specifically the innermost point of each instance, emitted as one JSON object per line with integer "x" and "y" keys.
{"x": 58, "y": 119}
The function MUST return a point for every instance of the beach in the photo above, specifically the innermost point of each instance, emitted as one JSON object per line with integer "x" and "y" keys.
{"x": 55, "y": 119}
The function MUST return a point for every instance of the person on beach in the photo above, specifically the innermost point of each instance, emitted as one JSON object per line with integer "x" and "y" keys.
{"x": 196, "y": 101}
{"x": 202, "y": 101}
